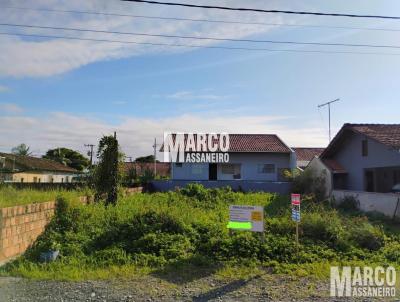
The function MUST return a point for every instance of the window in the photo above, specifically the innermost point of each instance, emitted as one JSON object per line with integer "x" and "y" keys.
{"x": 197, "y": 169}
{"x": 364, "y": 147}
{"x": 39, "y": 180}
{"x": 228, "y": 169}
{"x": 266, "y": 168}
{"x": 34, "y": 179}
{"x": 178, "y": 165}
{"x": 22, "y": 179}
{"x": 231, "y": 169}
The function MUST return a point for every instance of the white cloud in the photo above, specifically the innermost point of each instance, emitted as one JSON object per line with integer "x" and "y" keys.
{"x": 10, "y": 108}
{"x": 136, "y": 135}
{"x": 27, "y": 57}
{"x": 189, "y": 95}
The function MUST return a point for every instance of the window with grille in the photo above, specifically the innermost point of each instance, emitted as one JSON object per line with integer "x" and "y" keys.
{"x": 266, "y": 168}
{"x": 228, "y": 169}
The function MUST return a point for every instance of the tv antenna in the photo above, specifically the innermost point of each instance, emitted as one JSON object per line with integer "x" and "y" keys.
{"x": 329, "y": 113}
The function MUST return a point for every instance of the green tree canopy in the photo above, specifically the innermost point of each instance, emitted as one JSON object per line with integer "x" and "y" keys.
{"x": 21, "y": 149}
{"x": 145, "y": 159}
{"x": 68, "y": 158}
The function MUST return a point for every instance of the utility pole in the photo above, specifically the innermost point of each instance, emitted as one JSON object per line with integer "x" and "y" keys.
{"x": 155, "y": 157}
{"x": 90, "y": 152}
{"x": 329, "y": 112}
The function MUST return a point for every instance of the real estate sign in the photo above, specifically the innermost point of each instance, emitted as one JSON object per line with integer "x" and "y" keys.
{"x": 295, "y": 207}
{"x": 246, "y": 218}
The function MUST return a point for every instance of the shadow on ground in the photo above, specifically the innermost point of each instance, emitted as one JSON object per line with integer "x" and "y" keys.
{"x": 223, "y": 290}
{"x": 185, "y": 271}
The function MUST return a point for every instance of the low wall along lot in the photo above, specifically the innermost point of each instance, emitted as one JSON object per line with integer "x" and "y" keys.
{"x": 21, "y": 225}
{"x": 385, "y": 203}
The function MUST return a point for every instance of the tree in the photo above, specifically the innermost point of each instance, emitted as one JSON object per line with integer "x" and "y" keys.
{"x": 68, "y": 158}
{"x": 107, "y": 174}
{"x": 145, "y": 159}
{"x": 21, "y": 149}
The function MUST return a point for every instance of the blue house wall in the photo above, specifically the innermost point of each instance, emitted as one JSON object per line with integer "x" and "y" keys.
{"x": 249, "y": 163}
{"x": 349, "y": 155}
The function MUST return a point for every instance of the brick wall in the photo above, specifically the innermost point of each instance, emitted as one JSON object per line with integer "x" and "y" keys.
{"x": 21, "y": 225}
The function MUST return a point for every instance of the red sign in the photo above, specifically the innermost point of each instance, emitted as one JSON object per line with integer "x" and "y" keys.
{"x": 295, "y": 199}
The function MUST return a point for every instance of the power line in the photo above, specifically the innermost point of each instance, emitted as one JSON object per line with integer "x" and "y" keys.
{"x": 202, "y": 20}
{"x": 200, "y": 46}
{"x": 264, "y": 10}
{"x": 202, "y": 38}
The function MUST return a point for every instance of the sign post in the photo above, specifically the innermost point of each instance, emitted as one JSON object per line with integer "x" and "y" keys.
{"x": 296, "y": 215}
{"x": 246, "y": 218}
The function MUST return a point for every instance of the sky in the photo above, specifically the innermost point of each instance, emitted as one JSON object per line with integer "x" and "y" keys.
{"x": 67, "y": 93}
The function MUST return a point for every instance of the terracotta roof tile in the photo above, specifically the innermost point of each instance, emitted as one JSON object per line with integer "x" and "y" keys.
{"x": 387, "y": 134}
{"x": 334, "y": 166}
{"x": 307, "y": 154}
{"x": 34, "y": 163}
{"x": 255, "y": 143}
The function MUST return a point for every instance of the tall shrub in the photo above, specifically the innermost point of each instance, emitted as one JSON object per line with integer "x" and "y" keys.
{"x": 106, "y": 174}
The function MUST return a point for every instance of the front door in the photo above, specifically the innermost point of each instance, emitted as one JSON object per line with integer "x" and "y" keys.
{"x": 212, "y": 172}
{"x": 369, "y": 181}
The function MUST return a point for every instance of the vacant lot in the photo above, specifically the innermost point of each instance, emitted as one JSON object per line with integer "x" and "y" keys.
{"x": 180, "y": 237}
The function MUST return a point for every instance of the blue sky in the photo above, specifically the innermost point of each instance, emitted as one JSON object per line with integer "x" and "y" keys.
{"x": 67, "y": 93}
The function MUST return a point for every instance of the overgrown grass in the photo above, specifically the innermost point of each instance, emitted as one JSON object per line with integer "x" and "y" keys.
{"x": 162, "y": 232}
{"x": 10, "y": 196}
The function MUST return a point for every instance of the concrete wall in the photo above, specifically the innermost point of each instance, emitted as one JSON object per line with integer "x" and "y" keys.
{"x": 245, "y": 185}
{"x": 249, "y": 167}
{"x": 350, "y": 157}
{"x": 384, "y": 203}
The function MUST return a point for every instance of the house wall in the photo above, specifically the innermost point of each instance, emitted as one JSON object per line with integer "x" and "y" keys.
{"x": 249, "y": 167}
{"x": 350, "y": 157}
{"x": 44, "y": 177}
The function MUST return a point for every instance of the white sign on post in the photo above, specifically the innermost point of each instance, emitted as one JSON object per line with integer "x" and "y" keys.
{"x": 247, "y": 218}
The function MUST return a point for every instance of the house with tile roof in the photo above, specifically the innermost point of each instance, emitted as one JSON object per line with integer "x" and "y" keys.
{"x": 28, "y": 169}
{"x": 362, "y": 157}
{"x": 304, "y": 155}
{"x": 252, "y": 157}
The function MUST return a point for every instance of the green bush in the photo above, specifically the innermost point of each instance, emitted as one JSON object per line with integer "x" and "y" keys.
{"x": 366, "y": 235}
{"x": 349, "y": 203}
{"x": 322, "y": 227}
